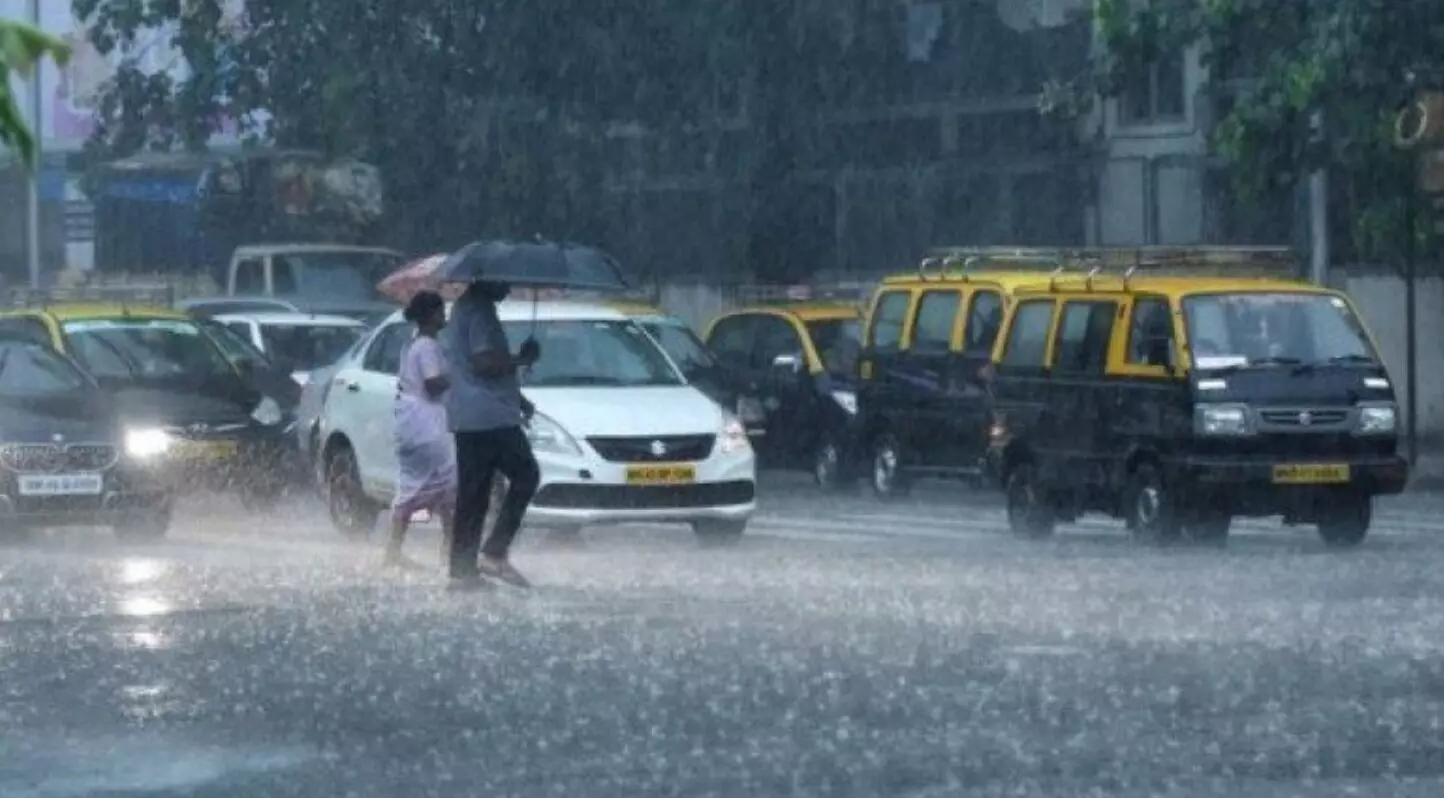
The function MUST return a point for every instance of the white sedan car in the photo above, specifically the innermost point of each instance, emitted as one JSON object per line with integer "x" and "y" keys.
{"x": 619, "y": 434}
{"x": 302, "y": 341}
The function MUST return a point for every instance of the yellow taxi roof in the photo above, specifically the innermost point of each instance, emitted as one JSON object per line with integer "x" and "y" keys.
{"x": 1172, "y": 285}
{"x": 804, "y": 311}
{"x": 1008, "y": 280}
{"x": 69, "y": 311}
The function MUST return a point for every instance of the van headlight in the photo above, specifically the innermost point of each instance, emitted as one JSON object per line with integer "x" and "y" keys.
{"x": 144, "y": 444}
{"x": 268, "y": 412}
{"x": 1377, "y": 420}
{"x": 847, "y": 400}
{"x": 733, "y": 435}
{"x": 548, "y": 436}
{"x": 1222, "y": 420}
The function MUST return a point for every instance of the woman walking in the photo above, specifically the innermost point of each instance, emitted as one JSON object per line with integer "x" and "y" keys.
{"x": 427, "y": 478}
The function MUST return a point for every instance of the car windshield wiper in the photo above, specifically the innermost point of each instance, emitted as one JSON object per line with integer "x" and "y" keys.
{"x": 1350, "y": 358}
{"x": 131, "y": 368}
{"x": 1263, "y": 362}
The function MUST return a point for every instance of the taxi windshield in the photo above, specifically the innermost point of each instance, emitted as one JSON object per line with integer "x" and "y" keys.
{"x": 145, "y": 350}
{"x": 1274, "y": 328}
{"x": 681, "y": 344}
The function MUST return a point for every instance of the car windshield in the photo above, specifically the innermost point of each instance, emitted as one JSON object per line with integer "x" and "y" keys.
{"x": 29, "y": 369}
{"x": 340, "y": 275}
{"x": 837, "y": 342}
{"x": 1255, "y": 328}
{"x": 680, "y": 343}
{"x": 303, "y": 347}
{"x": 146, "y": 350}
{"x": 593, "y": 353}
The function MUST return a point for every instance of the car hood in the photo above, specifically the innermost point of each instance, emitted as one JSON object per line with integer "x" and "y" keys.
{"x": 39, "y": 420}
{"x": 625, "y": 412}
{"x": 177, "y": 408}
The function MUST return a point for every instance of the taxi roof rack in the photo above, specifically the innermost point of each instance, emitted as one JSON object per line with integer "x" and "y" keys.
{"x": 956, "y": 263}
{"x": 842, "y": 292}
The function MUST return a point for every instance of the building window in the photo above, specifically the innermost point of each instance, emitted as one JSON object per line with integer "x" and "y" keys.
{"x": 1155, "y": 94}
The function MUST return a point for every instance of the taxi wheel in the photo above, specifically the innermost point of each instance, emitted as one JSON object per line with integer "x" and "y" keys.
{"x": 1028, "y": 515}
{"x": 1149, "y": 507}
{"x": 829, "y": 470}
{"x": 888, "y": 481}
{"x": 352, "y": 512}
{"x": 719, "y": 533}
{"x": 1347, "y": 523}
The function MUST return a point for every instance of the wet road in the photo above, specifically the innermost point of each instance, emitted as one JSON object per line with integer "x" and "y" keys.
{"x": 847, "y": 648}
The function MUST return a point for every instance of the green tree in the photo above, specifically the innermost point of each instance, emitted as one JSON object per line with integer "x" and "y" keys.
{"x": 22, "y": 48}
{"x": 1289, "y": 60}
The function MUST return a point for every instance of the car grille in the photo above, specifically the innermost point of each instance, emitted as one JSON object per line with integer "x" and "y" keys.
{"x": 49, "y": 458}
{"x": 645, "y": 497}
{"x": 1297, "y": 445}
{"x": 1305, "y": 418}
{"x": 657, "y": 449}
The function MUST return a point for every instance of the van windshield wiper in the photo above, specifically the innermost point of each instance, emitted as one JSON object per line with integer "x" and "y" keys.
{"x": 1263, "y": 362}
{"x": 1336, "y": 360}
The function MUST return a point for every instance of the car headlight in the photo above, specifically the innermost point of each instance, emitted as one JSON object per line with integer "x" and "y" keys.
{"x": 146, "y": 443}
{"x": 733, "y": 435}
{"x": 1378, "y": 420}
{"x": 847, "y": 400}
{"x": 548, "y": 436}
{"x": 1222, "y": 420}
{"x": 268, "y": 412}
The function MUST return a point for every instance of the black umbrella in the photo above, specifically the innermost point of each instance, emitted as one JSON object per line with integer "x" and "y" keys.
{"x": 533, "y": 264}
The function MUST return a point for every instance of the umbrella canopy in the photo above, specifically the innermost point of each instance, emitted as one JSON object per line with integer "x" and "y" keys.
{"x": 418, "y": 275}
{"x": 533, "y": 264}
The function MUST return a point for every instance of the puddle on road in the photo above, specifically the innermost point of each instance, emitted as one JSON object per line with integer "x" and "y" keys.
{"x": 71, "y": 766}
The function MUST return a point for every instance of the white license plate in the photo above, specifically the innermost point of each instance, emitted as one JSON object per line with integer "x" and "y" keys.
{"x": 61, "y": 485}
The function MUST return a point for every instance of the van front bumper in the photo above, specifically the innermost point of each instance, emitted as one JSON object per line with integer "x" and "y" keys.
{"x": 1248, "y": 487}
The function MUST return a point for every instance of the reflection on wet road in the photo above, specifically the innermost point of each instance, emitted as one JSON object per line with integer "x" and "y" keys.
{"x": 847, "y": 648}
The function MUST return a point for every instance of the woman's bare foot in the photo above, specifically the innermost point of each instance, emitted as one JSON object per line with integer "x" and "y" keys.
{"x": 498, "y": 568}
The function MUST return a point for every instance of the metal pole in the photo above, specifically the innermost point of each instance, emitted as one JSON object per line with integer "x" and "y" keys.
{"x": 1319, "y": 213}
{"x": 32, "y": 230}
{"x": 1411, "y": 336}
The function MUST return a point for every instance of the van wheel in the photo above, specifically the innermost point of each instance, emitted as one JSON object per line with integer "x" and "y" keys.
{"x": 1209, "y": 527}
{"x": 829, "y": 470}
{"x": 888, "y": 481}
{"x": 1347, "y": 522}
{"x": 1028, "y": 515}
{"x": 1149, "y": 507}
{"x": 352, "y": 511}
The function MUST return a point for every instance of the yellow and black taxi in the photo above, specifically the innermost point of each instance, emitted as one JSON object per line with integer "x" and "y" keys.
{"x": 65, "y": 457}
{"x": 1179, "y": 403}
{"x": 207, "y": 421}
{"x": 728, "y": 388}
{"x": 923, "y": 403}
{"x": 800, "y": 359}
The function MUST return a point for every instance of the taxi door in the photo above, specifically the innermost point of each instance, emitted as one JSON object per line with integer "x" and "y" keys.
{"x": 971, "y": 415}
{"x": 882, "y": 390}
{"x": 1078, "y": 398}
{"x": 932, "y": 402}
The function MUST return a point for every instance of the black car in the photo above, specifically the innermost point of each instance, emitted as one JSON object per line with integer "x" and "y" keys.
{"x": 68, "y": 454}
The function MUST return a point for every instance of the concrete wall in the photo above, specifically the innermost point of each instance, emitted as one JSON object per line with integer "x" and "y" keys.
{"x": 1380, "y": 298}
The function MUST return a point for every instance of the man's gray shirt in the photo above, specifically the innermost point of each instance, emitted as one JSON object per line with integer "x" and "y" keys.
{"x": 476, "y": 403}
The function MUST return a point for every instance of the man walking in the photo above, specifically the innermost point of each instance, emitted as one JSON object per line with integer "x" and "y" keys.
{"x": 486, "y": 411}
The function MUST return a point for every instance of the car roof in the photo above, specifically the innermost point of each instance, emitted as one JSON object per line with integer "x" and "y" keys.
{"x": 291, "y": 319}
{"x": 1171, "y": 286}
{"x": 68, "y": 311}
{"x": 551, "y": 310}
{"x": 261, "y": 250}
{"x": 1009, "y": 280}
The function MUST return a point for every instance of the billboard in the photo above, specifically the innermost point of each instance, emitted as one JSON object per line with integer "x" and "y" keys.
{"x": 69, "y": 99}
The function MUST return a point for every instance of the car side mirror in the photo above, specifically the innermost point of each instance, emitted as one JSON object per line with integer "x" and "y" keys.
{"x": 790, "y": 363}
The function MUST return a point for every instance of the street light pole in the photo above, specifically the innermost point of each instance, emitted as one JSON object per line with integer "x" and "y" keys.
{"x": 32, "y": 229}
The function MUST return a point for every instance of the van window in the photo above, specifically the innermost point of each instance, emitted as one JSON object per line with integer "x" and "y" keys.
{"x": 887, "y": 321}
{"x": 1081, "y": 346}
{"x": 250, "y": 279}
{"x": 985, "y": 318}
{"x": 933, "y": 323}
{"x": 776, "y": 337}
{"x": 1027, "y": 343}
{"x": 1150, "y": 332}
{"x": 731, "y": 340}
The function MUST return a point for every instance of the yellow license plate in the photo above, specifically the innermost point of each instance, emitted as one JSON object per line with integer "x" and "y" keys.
{"x": 208, "y": 450}
{"x": 665, "y": 474}
{"x": 1311, "y": 474}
